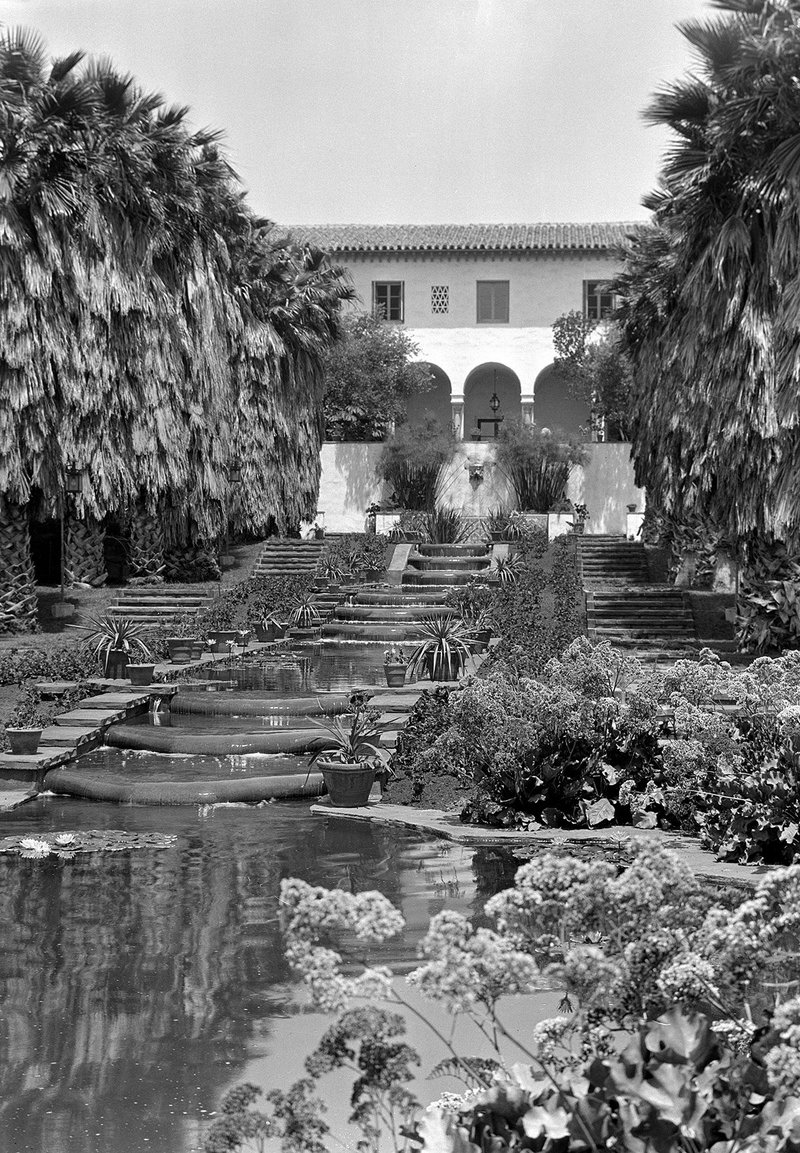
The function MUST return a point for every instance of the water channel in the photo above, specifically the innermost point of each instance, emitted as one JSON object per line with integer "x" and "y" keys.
{"x": 138, "y": 986}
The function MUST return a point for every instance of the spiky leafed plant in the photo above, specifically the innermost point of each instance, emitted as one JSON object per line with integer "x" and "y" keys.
{"x": 445, "y": 526}
{"x": 107, "y": 633}
{"x": 304, "y": 614}
{"x": 354, "y": 737}
{"x": 709, "y": 297}
{"x": 507, "y": 568}
{"x": 443, "y": 649}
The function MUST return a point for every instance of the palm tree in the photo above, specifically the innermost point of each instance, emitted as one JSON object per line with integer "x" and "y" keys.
{"x": 151, "y": 329}
{"x": 709, "y": 313}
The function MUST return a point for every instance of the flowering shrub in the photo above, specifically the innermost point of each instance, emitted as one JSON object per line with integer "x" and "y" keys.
{"x": 674, "y": 1031}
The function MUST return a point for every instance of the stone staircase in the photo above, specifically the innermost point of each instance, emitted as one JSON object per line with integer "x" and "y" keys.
{"x": 289, "y": 558}
{"x": 156, "y": 605}
{"x": 392, "y": 614}
{"x": 624, "y": 606}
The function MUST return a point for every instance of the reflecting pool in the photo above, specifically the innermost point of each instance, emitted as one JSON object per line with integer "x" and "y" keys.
{"x": 138, "y": 986}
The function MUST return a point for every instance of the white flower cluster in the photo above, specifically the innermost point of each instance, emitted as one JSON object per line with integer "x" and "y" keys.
{"x": 470, "y": 967}
{"x": 311, "y": 913}
{"x": 783, "y": 1060}
{"x": 547, "y": 1035}
{"x": 687, "y": 978}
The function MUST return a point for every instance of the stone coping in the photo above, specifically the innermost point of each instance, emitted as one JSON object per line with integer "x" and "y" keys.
{"x": 448, "y": 827}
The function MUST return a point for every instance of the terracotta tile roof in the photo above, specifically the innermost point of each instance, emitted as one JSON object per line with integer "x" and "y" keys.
{"x": 461, "y": 237}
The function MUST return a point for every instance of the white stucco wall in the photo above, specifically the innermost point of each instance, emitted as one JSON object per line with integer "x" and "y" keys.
{"x": 542, "y": 286}
{"x": 349, "y": 485}
{"x": 606, "y": 486}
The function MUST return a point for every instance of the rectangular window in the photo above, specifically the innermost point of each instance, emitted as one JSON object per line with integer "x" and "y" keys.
{"x": 387, "y": 299}
{"x": 598, "y": 303}
{"x": 440, "y": 299}
{"x": 492, "y": 302}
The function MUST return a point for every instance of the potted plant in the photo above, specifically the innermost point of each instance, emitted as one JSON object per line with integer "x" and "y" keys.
{"x": 580, "y": 517}
{"x": 350, "y": 766}
{"x": 445, "y": 647}
{"x": 270, "y": 628}
{"x": 496, "y": 522}
{"x": 395, "y": 664}
{"x": 333, "y": 574}
{"x": 141, "y": 674}
{"x": 24, "y": 728}
{"x": 475, "y": 433}
{"x": 304, "y": 615}
{"x": 318, "y": 531}
{"x": 115, "y": 639}
{"x": 632, "y": 508}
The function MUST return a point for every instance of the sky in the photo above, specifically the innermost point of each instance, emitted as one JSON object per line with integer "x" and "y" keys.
{"x": 405, "y": 111}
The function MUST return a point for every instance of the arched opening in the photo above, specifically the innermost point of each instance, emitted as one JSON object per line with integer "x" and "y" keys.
{"x": 435, "y": 402}
{"x": 491, "y": 397}
{"x": 555, "y": 406}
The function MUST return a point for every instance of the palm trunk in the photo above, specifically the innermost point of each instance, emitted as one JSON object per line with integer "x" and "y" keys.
{"x": 18, "y": 604}
{"x": 84, "y": 554}
{"x": 146, "y": 546}
{"x": 192, "y": 562}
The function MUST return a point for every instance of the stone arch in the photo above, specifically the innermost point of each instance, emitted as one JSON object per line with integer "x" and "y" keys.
{"x": 434, "y": 402}
{"x": 555, "y": 406}
{"x": 479, "y": 386}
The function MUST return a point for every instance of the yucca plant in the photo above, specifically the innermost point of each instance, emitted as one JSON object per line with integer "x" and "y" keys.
{"x": 332, "y": 572}
{"x": 445, "y": 526}
{"x": 355, "y": 737}
{"x": 304, "y": 614}
{"x": 507, "y": 568}
{"x": 444, "y": 647}
{"x": 110, "y": 634}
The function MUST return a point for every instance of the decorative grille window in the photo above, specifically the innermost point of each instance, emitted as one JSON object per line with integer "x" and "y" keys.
{"x": 387, "y": 299}
{"x": 492, "y": 302}
{"x": 440, "y": 299}
{"x": 598, "y": 303}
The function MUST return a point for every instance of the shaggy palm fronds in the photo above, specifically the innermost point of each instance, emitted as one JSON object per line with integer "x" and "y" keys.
{"x": 304, "y": 614}
{"x": 709, "y": 296}
{"x": 445, "y": 526}
{"x": 507, "y": 568}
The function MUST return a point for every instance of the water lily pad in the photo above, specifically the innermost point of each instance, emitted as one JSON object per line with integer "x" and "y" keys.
{"x": 68, "y": 845}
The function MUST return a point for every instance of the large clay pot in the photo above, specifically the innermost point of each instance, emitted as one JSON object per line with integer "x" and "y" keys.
{"x": 180, "y": 649}
{"x": 348, "y": 785}
{"x": 24, "y": 742}
{"x": 116, "y": 664}
{"x": 141, "y": 674}
{"x": 395, "y": 675}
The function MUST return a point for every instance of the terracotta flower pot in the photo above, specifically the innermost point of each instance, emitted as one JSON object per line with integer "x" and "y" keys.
{"x": 180, "y": 649}
{"x": 348, "y": 785}
{"x": 116, "y": 664}
{"x": 395, "y": 674}
{"x": 141, "y": 674}
{"x": 24, "y": 742}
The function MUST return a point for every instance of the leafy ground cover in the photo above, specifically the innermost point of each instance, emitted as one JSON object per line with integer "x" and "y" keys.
{"x": 597, "y": 739}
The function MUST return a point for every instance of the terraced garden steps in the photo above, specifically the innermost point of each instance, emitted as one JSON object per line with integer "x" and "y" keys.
{"x": 624, "y": 606}
{"x": 288, "y": 557}
{"x": 157, "y": 605}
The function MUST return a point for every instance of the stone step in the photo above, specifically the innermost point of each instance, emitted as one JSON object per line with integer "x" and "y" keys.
{"x": 669, "y": 611}
{"x": 452, "y": 550}
{"x": 390, "y": 613}
{"x": 402, "y": 595}
{"x": 353, "y": 630}
{"x": 443, "y": 579}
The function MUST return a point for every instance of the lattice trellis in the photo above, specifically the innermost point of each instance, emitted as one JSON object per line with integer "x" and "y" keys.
{"x": 440, "y": 299}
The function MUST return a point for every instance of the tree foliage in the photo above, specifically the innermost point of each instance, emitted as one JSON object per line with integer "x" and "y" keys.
{"x": 589, "y": 354}
{"x": 369, "y": 376}
{"x": 152, "y": 329}
{"x": 709, "y": 310}
{"x": 412, "y": 460}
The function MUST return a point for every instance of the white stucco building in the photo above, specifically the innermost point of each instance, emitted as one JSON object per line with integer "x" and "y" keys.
{"x": 480, "y": 301}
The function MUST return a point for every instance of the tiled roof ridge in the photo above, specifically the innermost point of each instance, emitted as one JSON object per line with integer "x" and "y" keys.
{"x": 472, "y": 237}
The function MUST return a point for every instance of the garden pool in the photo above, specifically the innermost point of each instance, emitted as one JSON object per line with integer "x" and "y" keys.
{"x": 139, "y": 986}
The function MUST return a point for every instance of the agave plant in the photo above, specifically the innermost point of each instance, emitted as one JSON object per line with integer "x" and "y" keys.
{"x": 507, "y": 568}
{"x": 445, "y": 526}
{"x": 304, "y": 614}
{"x": 444, "y": 647}
{"x": 333, "y": 572}
{"x": 355, "y": 737}
{"x": 108, "y": 634}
